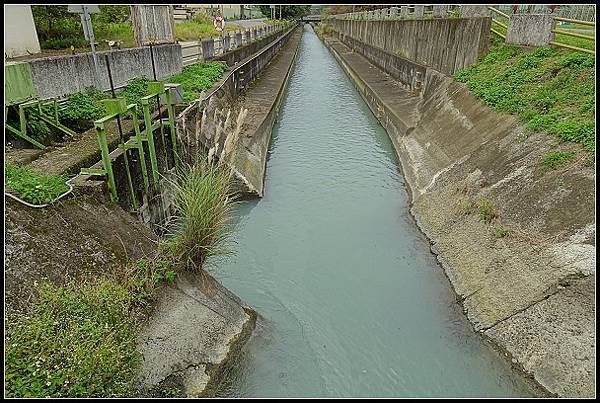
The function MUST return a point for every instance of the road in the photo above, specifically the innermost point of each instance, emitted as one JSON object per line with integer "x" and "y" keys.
{"x": 188, "y": 54}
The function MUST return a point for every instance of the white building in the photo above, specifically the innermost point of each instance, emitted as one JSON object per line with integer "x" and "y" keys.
{"x": 20, "y": 35}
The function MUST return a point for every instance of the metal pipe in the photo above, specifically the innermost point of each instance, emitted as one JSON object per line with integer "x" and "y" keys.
{"x": 112, "y": 90}
{"x": 573, "y": 34}
{"x": 563, "y": 45}
{"x": 498, "y": 33}
{"x": 499, "y": 12}
{"x": 581, "y": 22}
{"x": 499, "y": 23}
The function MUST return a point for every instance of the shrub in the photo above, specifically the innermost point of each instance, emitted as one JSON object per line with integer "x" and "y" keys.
{"x": 135, "y": 90}
{"x": 63, "y": 43}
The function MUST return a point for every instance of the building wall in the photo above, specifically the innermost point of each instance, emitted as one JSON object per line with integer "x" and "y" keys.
{"x": 20, "y": 35}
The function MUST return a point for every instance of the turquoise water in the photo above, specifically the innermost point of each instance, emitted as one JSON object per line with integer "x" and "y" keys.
{"x": 351, "y": 301}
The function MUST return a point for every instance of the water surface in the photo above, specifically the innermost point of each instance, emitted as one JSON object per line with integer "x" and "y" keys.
{"x": 352, "y": 302}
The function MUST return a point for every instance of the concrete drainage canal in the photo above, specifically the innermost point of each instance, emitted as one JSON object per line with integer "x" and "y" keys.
{"x": 351, "y": 301}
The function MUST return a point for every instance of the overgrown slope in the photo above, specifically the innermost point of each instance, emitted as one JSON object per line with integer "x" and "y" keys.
{"x": 551, "y": 90}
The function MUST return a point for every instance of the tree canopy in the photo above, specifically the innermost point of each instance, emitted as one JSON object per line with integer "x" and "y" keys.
{"x": 287, "y": 12}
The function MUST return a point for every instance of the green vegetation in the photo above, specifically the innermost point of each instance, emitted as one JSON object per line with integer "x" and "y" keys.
{"x": 288, "y": 12}
{"x": 79, "y": 340}
{"x": 32, "y": 187}
{"x": 500, "y": 232}
{"x": 549, "y": 89}
{"x": 198, "y": 77}
{"x": 200, "y": 27}
{"x": 203, "y": 221}
{"x": 487, "y": 212}
{"x": 59, "y": 29}
{"x": 135, "y": 90}
{"x": 83, "y": 108}
{"x": 556, "y": 159}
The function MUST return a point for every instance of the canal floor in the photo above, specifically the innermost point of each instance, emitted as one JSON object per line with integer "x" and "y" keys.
{"x": 351, "y": 301}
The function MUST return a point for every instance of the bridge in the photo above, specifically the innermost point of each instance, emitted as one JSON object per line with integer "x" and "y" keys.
{"x": 312, "y": 18}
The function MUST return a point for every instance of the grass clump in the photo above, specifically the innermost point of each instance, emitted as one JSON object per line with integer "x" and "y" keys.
{"x": 487, "y": 211}
{"x": 32, "y": 187}
{"x": 198, "y": 77}
{"x": 557, "y": 159}
{"x": 550, "y": 89}
{"x": 500, "y": 232}
{"x": 203, "y": 222}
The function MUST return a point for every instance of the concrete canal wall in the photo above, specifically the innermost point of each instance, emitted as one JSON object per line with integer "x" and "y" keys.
{"x": 526, "y": 278}
{"x": 235, "y": 118}
{"x": 446, "y": 44}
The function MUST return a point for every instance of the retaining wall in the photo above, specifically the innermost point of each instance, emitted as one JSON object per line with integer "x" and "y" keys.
{"x": 61, "y": 75}
{"x": 447, "y": 45}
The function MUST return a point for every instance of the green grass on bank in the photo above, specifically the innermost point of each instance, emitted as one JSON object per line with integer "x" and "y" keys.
{"x": 198, "y": 77}
{"x": 550, "y": 89}
{"x": 79, "y": 340}
{"x": 32, "y": 187}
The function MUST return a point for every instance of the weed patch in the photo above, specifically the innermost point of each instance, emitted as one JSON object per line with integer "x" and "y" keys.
{"x": 32, "y": 187}
{"x": 557, "y": 159}
{"x": 203, "y": 222}
{"x": 79, "y": 340}
{"x": 198, "y": 77}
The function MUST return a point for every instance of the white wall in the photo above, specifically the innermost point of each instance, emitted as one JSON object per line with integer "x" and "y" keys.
{"x": 20, "y": 35}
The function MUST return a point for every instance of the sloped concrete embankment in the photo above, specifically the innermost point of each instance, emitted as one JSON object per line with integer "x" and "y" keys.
{"x": 236, "y": 118}
{"x": 526, "y": 279}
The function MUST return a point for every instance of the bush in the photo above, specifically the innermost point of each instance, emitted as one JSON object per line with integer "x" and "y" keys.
{"x": 63, "y": 43}
{"x": 135, "y": 90}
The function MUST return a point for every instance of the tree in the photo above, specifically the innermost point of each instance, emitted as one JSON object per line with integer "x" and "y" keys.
{"x": 287, "y": 12}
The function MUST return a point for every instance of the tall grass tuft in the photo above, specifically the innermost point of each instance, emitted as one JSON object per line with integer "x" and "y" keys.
{"x": 202, "y": 224}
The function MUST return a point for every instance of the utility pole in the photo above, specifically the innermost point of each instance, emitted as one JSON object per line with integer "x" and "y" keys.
{"x": 86, "y": 21}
